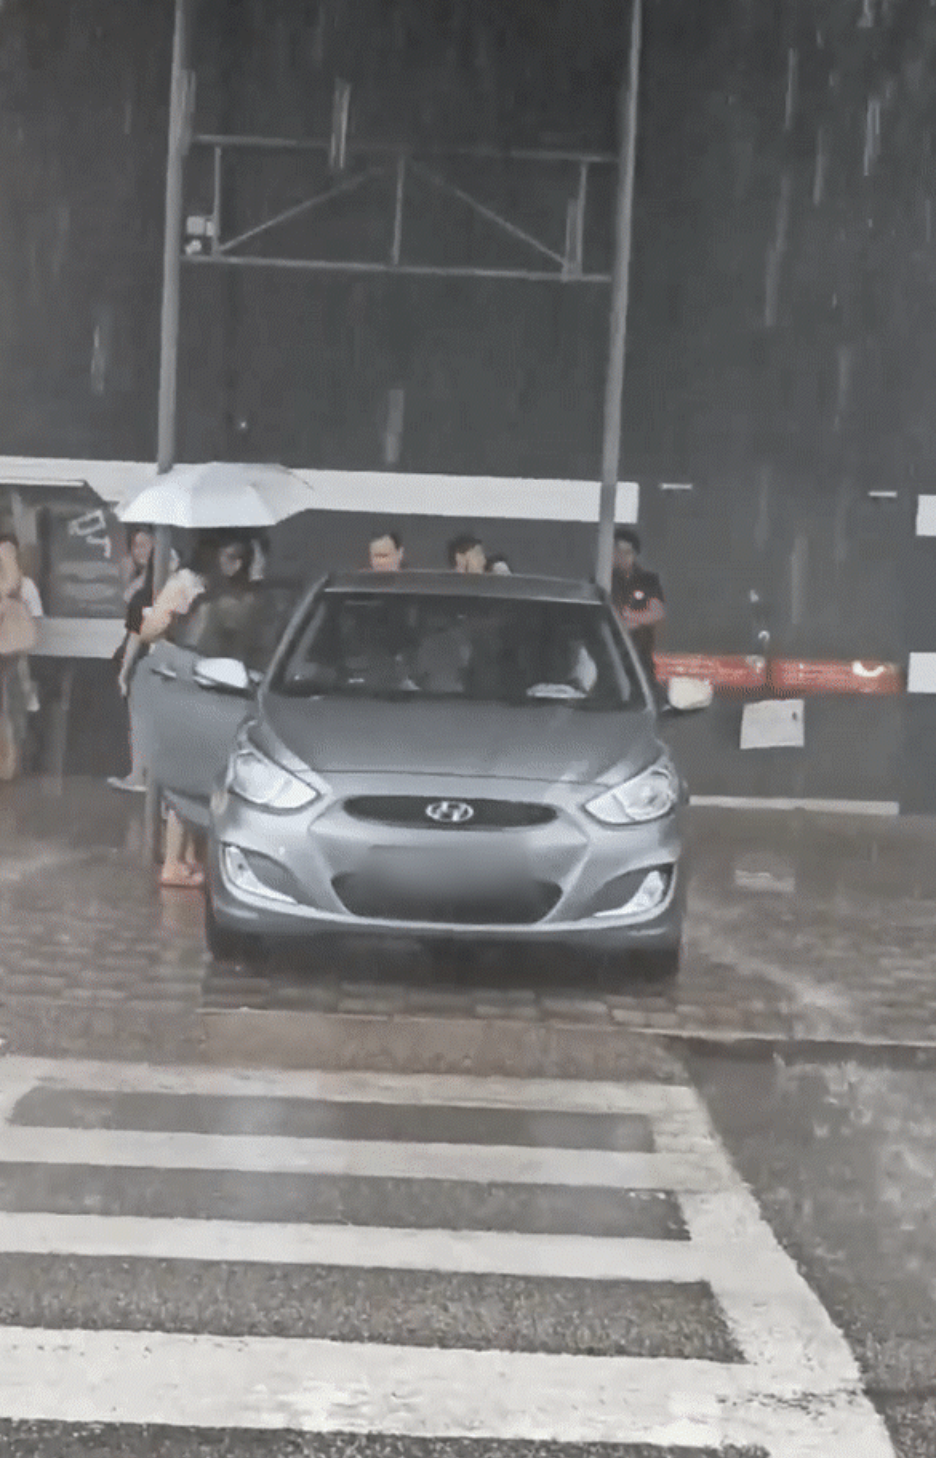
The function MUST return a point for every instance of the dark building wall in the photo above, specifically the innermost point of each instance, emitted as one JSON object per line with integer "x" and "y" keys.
{"x": 780, "y": 353}
{"x": 82, "y": 144}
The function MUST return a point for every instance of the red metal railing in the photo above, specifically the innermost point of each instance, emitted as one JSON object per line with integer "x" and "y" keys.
{"x": 744, "y": 674}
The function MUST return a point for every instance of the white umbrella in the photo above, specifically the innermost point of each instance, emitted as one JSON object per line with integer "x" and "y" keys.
{"x": 219, "y": 494}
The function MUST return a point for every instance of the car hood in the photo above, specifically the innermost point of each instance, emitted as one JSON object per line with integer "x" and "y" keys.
{"x": 549, "y": 742}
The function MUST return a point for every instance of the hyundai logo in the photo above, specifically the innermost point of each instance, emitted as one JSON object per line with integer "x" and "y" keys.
{"x": 450, "y": 812}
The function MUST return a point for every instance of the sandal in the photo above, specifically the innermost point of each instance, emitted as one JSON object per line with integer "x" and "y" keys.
{"x": 182, "y": 877}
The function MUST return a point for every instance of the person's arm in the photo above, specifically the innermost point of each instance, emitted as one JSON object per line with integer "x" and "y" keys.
{"x": 11, "y": 577}
{"x": 158, "y": 620}
{"x": 654, "y": 612}
{"x": 29, "y": 597}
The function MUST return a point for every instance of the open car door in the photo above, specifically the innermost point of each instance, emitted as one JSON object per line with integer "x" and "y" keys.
{"x": 189, "y": 722}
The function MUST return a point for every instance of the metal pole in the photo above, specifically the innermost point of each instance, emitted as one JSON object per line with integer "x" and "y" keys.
{"x": 172, "y": 244}
{"x": 179, "y": 97}
{"x": 620, "y": 292}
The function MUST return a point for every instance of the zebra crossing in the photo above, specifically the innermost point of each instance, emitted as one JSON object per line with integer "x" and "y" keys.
{"x": 249, "y": 1263}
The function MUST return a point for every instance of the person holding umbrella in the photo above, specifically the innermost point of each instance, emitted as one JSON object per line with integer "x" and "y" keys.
{"x": 221, "y": 497}
{"x": 220, "y": 558}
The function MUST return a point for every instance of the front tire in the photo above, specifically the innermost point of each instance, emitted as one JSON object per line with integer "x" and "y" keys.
{"x": 232, "y": 948}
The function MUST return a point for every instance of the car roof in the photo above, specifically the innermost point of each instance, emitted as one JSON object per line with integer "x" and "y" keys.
{"x": 459, "y": 584}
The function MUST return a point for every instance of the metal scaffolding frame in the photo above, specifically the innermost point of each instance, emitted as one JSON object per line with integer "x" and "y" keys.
{"x": 567, "y": 266}
{"x": 399, "y": 162}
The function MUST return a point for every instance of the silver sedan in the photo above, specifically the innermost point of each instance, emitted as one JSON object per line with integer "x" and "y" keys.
{"x": 432, "y": 756}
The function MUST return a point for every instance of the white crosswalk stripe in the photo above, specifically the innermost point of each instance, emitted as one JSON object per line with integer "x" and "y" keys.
{"x": 259, "y": 1281}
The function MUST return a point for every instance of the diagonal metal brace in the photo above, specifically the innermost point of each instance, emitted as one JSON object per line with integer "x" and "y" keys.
{"x": 347, "y": 184}
{"x": 493, "y": 217}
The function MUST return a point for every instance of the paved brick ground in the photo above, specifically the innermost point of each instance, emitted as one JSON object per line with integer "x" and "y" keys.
{"x": 799, "y": 927}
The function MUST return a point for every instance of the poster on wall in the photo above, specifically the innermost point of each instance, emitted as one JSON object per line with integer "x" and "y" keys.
{"x": 84, "y": 555}
{"x": 773, "y": 724}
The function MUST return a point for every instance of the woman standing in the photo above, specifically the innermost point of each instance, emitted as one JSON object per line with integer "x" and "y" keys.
{"x": 141, "y": 544}
{"x": 17, "y": 637}
{"x": 220, "y": 558}
{"x": 138, "y": 595}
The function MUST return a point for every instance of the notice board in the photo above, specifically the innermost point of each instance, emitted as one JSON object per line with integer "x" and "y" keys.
{"x": 83, "y": 573}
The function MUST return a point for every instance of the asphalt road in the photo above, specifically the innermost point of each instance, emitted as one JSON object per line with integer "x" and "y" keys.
{"x": 569, "y": 1272}
{"x": 198, "y": 1262}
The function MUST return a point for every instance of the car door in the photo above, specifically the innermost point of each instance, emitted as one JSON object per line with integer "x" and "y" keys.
{"x": 188, "y": 726}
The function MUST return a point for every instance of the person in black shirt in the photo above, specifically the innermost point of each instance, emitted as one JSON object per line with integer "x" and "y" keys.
{"x": 128, "y": 655}
{"x": 637, "y": 597}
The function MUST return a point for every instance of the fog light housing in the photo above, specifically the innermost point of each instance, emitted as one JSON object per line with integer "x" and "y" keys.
{"x": 241, "y": 875}
{"x": 650, "y": 894}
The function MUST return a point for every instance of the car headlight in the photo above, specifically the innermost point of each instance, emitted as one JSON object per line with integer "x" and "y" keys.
{"x": 259, "y": 781}
{"x": 647, "y": 796}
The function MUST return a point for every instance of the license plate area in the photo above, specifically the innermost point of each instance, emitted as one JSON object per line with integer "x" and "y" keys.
{"x": 445, "y": 868}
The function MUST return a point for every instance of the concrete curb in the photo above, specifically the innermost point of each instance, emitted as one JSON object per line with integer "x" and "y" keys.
{"x": 479, "y": 1046}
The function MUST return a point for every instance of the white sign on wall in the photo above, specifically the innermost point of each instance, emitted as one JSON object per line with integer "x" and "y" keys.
{"x": 926, "y": 516}
{"x": 773, "y": 724}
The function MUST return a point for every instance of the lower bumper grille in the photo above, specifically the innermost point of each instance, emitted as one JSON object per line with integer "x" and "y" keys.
{"x": 520, "y": 907}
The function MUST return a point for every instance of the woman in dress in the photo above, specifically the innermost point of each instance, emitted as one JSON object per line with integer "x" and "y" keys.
{"x": 138, "y": 595}
{"x": 219, "y": 558}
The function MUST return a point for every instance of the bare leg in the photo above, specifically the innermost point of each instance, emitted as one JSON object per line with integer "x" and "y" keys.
{"x": 177, "y": 870}
{"x": 175, "y": 839}
{"x": 139, "y": 768}
{"x": 26, "y": 683}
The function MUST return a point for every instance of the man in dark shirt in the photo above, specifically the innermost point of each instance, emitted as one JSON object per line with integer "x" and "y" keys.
{"x": 637, "y": 596}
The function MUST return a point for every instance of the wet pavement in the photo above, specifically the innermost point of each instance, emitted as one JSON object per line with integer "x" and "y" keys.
{"x": 805, "y": 1016}
{"x": 800, "y": 927}
{"x": 842, "y": 1159}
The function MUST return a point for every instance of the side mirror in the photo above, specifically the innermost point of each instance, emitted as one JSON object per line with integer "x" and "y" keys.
{"x": 223, "y": 675}
{"x": 688, "y": 695}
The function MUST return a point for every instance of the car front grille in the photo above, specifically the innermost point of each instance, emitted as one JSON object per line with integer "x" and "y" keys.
{"x": 520, "y": 906}
{"x": 412, "y": 811}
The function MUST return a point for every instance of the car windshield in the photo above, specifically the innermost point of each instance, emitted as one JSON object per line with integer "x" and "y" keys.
{"x": 421, "y": 646}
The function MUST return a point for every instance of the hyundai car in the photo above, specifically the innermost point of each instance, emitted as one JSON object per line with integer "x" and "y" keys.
{"x": 426, "y": 755}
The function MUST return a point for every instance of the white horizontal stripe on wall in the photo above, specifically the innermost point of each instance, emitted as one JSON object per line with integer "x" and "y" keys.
{"x": 926, "y": 516}
{"x": 375, "y": 492}
{"x": 78, "y": 637}
{"x": 921, "y": 673}
{"x": 112, "y": 480}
